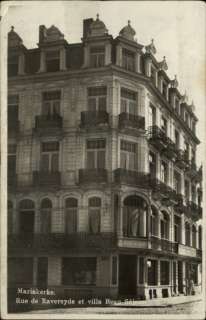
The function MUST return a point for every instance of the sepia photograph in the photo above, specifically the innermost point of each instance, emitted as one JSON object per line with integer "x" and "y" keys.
{"x": 102, "y": 159}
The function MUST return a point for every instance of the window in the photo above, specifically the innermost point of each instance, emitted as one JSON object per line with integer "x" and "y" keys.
{"x": 153, "y": 75}
{"x": 152, "y": 115}
{"x": 152, "y": 272}
{"x": 128, "y": 101}
{"x": 154, "y": 222}
{"x": 163, "y": 171}
{"x": 20, "y": 271}
{"x": 187, "y": 189}
{"x": 52, "y": 61}
{"x": 177, "y": 182}
{"x": 177, "y": 229}
{"x": 200, "y": 237}
{"x": 141, "y": 270}
{"x": 94, "y": 215}
{"x": 164, "y": 226}
{"x": 177, "y": 139}
{"x": 11, "y": 159}
{"x": 128, "y": 60}
{"x": 152, "y": 164}
{"x": 97, "y": 99}
{"x": 96, "y": 154}
{"x": 13, "y": 65}
{"x": 50, "y": 156}
{"x": 79, "y": 271}
{"x": 26, "y": 218}
{"x": 164, "y": 89}
{"x": 186, "y": 148}
{"x": 114, "y": 270}
{"x": 164, "y": 125}
{"x": 187, "y": 234}
{"x": 194, "y": 235}
{"x": 45, "y": 216}
{"x": 194, "y": 193}
{"x": 13, "y": 111}
{"x": 164, "y": 272}
{"x": 193, "y": 156}
{"x": 97, "y": 56}
{"x": 128, "y": 156}
{"x": 51, "y": 103}
{"x": 10, "y": 217}
{"x": 71, "y": 205}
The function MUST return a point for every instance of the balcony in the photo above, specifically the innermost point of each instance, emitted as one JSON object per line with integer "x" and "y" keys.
{"x": 192, "y": 170}
{"x": 62, "y": 242}
{"x": 161, "y": 191}
{"x": 129, "y": 177}
{"x": 131, "y": 121}
{"x": 48, "y": 122}
{"x": 163, "y": 245}
{"x": 44, "y": 178}
{"x": 195, "y": 210}
{"x": 93, "y": 175}
{"x": 157, "y": 137}
{"x": 182, "y": 159}
{"x": 13, "y": 128}
{"x": 94, "y": 119}
{"x": 186, "y": 250}
{"x": 180, "y": 207}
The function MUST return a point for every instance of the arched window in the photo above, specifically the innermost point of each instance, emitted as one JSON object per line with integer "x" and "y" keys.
{"x": 71, "y": 205}
{"x": 10, "y": 217}
{"x": 194, "y": 234}
{"x": 26, "y": 217}
{"x": 154, "y": 222}
{"x": 200, "y": 237}
{"x": 94, "y": 214}
{"x": 134, "y": 217}
{"x": 187, "y": 234}
{"x": 45, "y": 217}
{"x": 164, "y": 225}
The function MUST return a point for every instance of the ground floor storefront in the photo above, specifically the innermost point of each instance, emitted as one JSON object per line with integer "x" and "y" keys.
{"x": 116, "y": 275}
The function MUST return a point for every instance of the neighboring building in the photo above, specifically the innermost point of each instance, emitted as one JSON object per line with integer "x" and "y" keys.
{"x": 104, "y": 192}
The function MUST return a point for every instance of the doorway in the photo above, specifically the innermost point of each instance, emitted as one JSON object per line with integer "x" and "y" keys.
{"x": 180, "y": 277}
{"x": 127, "y": 275}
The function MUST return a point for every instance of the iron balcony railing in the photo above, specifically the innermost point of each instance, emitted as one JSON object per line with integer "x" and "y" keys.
{"x": 131, "y": 177}
{"x": 46, "y": 178}
{"x": 162, "y": 190}
{"x": 93, "y": 175}
{"x": 127, "y": 120}
{"x": 48, "y": 121}
{"x": 52, "y": 241}
{"x": 94, "y": 118}
{"x": 163, "y": 244}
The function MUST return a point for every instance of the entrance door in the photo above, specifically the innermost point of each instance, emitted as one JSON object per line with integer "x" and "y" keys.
{"x": 27, "y": 223}
{"x": 42, "y": 272}
{"x": 127, "y": 275}
{"x": 180, "y": 279}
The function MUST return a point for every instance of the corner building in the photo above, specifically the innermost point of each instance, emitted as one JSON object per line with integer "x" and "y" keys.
{"x": 104, "y": 192}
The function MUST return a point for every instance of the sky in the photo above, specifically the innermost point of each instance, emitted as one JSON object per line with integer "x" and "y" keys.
{"x": 178, "y": 29}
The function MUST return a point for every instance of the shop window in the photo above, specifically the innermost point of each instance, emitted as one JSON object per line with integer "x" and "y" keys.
{"x": 94, "y": 215}
{"x": 128, "y": 60}
{"x": 45, "y": 216}
{"x": 114, "y": 270}
{"x": 52, "y": 61}
{"x": 50, "y": 156}
{"x": 128, "y": 155}
{"x": 79, "y": 271}
{"x": 71, "y": 206}
{"x": 152, "y": 272}
{"x": 97, "y": 56}
{"x": 141, "y": 270}
{"x": 96, "y": 154}
{"x": 129, "y": 101}
{"x": 51, "y": 103}
{"x": 164, "y": 272}
{"x": 97, "y": 99}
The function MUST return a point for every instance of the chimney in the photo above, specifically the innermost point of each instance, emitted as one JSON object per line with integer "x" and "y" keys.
{"x": 42, "y": 32}
{"x": 86, "y": 26}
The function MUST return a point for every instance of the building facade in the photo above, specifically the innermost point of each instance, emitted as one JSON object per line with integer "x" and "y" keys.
{"x": 104, "y": 191}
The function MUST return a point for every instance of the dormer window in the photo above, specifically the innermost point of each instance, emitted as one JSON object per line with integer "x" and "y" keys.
{"x": 13, "y": 65}
{"x": 97, "y": 57}
{"x": 128, "y": 60}
{"x": 52, "y": 61}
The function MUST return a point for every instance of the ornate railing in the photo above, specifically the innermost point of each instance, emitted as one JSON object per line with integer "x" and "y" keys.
{"x": 44, "y": 178}
{"x": 163, "y": 244}
{"x": 48, "y": 121}
{"x": 94, "y": 118}
{"x": 93, "y": 175}
{"x": 127, "y": 120}
{"x": 131, "y": 177}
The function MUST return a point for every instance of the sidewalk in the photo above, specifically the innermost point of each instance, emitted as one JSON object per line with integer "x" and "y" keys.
{"x": 159, "y": 302}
